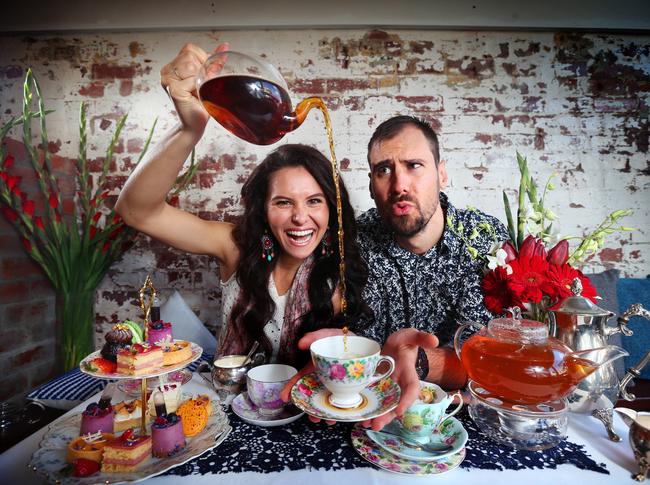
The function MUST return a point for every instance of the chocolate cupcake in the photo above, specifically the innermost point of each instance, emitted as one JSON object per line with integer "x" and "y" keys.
{"x": 119, "y": 337}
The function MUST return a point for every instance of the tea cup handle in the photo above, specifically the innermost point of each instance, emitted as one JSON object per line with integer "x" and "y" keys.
{"x": 391, "y": 368}
{"x": 457, "y": 408}
{"x": 205, "y": 366}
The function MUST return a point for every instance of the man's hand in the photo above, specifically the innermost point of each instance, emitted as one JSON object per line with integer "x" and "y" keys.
{"x": 403, "y": 347}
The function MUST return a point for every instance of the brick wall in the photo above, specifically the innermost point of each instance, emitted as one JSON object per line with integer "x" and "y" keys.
{"x": 575, "y": 104}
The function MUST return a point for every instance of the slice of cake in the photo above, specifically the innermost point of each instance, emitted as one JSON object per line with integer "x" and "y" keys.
{"x": 126, "y": 453}
{"x": 171, "y": 394}
{"x": 159, "y": 332}
{"x": 139, "y": 359}
{"x": 167, "y": 435}
{"x": 176, "y": 352}
{"x": 128, "y": 414}
{"x": 89, "y": 447}
{"x": 95, "y": 418}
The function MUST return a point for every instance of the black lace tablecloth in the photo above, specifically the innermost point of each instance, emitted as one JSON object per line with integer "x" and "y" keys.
{"x": 305, "y": 445}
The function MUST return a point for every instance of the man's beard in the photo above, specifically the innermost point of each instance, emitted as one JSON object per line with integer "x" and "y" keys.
{"x": 409, "y": 227}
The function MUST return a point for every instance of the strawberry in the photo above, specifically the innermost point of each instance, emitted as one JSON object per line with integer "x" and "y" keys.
{"x": 84, "y": 468}
{"x": 127, "y": 435}
{"x": 104, "y": 365}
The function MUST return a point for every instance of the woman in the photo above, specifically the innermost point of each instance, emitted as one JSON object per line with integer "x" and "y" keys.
{"x": 279, "y": 265}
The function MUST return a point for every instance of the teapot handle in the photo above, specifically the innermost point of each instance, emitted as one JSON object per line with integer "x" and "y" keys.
{"x": 635, "y": 310}
{"x": 459, "y": 333}
{"x": 632, "y": 373}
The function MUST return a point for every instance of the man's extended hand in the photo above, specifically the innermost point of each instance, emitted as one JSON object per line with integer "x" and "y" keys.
{"x": 403, "y": 347}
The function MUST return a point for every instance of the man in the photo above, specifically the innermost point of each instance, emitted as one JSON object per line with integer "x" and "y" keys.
{"x": 424, "y": 258}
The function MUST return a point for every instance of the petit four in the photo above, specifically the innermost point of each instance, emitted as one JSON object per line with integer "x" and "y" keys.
{"x": 125, "y": 453}
{"x": 194, "y": 415}
{"x": 167, "y": 435}
{"x": 139, "y": 359}
{"x": 95, "y": 418}
{"x": 127, "y": 414}
{"x": 119, "y": 337}
{"x": 159, "y": 332}
{"x": 176, "y": 352}
{"x": 88, "y": 447}
{"x": 171, "y": 394}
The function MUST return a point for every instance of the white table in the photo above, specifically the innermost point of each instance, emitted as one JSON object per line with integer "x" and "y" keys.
{"x": 583, "y": 430}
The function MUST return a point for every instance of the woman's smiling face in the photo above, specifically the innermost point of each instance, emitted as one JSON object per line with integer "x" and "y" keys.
{"x": 296, "y": 211}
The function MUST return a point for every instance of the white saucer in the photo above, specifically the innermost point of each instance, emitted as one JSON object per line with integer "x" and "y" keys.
{"x": 310, "y": 395}
{"x": 247, "y": 411}
{"x": 389, "y": 462}
{"x": 451, "y": 432}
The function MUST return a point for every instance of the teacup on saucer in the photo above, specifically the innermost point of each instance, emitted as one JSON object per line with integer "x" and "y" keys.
{"x": 243, "y": 407}
{"x": 310, "y": 395}
{"x": 378, "y": 456}
{"x": 450, "y": 432}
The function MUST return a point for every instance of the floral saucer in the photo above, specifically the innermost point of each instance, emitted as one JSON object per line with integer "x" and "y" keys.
{"x": 381, "y": 458}
{"x": 310, "y": 395}
{"x": 247, "y": 411}
{"x": 451, "y": 432}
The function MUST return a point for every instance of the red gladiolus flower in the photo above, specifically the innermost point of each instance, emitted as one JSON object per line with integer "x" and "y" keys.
{"x": 96, "y": 217}
{"x": 532, "y": 246}
{"x": 54, "y": 203}
{"x": 531, "y": 272}
{"x": 104, "y": 194}
{"x": 92, "y": 232}
{"x": 9, "y": 162}
{"x": 93, "y": 202}
{"x": 500, "y": 290}
{"x": 28, "y": 207}
{"x": 4, "y": 176}
{"x": 38, "y": 222}
{"x": 116, "y": 219}
{"x": 106, "y": 247}
{"x": 27, "y": 244}
{"x": 559, "y": 255}
{"x": 10, "y": 214}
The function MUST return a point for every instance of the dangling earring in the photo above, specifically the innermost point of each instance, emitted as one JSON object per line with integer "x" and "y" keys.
{"x": 268, "y": 247}
{"x": 326, "y": 244}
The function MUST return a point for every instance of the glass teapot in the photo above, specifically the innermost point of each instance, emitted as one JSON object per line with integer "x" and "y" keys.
{"x": 517, "y": 361}
{"x": 249, "y": 97}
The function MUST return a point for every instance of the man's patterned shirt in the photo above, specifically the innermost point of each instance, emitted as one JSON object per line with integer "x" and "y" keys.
{"x": 434, "y": 291}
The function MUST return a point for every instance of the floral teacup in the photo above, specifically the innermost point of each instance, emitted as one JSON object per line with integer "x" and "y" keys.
{"x": 264, "y": 385}
{"x": 424, "y": 416}
{"x": 346, "y": 372}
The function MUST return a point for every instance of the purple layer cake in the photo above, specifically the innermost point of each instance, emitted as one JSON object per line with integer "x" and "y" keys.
{"x": 167, "y": 435}
{"x": 95, "y": 419}
{"x": 159, "y": 331}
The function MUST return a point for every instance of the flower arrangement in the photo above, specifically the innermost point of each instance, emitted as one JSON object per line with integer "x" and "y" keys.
{"x": 521, "y": 272}
{"x": 74, "y": 248}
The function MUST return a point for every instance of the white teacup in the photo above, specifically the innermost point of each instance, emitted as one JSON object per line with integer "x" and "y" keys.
{"x": 346, "y": 374}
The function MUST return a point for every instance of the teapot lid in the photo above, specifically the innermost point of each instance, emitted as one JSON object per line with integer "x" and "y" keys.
{"x": 516, "y": 330}
{"x": 578, "y": 304}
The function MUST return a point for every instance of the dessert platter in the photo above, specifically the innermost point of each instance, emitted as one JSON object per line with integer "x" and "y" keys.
{"x": 134, "y": 439}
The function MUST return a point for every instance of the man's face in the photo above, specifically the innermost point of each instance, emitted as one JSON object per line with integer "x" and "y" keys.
{"x": 405, "y": 182}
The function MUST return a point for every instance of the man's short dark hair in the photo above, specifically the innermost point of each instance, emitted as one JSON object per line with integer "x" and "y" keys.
{"x": 392, "y": 126}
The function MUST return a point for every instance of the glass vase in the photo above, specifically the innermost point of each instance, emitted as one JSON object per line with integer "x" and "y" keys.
{"x": 75, "y": 312}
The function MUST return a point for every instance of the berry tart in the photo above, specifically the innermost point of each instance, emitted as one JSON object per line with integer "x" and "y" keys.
{"x": 176, "y": 352}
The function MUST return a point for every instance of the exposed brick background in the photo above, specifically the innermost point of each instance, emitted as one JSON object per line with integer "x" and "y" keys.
{"x": 574, "y": 104}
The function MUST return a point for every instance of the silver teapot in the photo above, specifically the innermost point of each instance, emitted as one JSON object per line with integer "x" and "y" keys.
{"x": 581, "y": 324}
